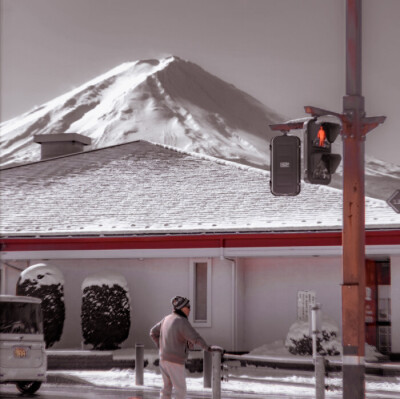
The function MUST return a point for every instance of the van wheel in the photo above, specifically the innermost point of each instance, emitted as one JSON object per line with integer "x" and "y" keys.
{"x": 28, "y": 386}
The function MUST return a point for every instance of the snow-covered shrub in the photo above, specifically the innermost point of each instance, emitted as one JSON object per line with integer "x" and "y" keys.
{"x": 47, "y": 283}
{"x": 105, "y": 311}
{"x": 299, "y": 340}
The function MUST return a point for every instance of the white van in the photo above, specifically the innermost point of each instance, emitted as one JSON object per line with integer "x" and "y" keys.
{"x": 23, "y": 358}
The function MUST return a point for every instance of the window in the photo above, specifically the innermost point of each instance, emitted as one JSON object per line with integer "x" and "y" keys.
{"x": 384, "y": 339}
{"x": 200, "y": 292}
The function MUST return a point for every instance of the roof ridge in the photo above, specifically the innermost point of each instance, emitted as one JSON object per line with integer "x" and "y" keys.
{"x": 210, "y": 158}
{"x": 68, "y": 155}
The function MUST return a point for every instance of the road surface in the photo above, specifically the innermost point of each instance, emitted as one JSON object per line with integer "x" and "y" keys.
{"x": 50, "y": 391}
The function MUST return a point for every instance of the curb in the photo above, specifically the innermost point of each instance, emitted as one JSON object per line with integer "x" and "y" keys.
{"x": 63, "y": 379}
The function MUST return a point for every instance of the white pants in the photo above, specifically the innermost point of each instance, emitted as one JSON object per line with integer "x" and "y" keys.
{"x": 174, "y": 375}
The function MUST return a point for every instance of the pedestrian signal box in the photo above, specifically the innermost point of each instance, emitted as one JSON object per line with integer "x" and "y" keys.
{"x": 319, "y": 162}
{"x": 285, "y": 165}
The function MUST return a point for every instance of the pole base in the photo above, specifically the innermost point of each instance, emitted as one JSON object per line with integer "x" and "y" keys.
{"x": 354, "y": 381}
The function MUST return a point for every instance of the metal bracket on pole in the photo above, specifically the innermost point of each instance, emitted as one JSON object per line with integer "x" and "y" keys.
{"x": 315, "y": 111}
{"x": 352, "y": 103}
{"x": 372, "y": 122}
{"x": 285, "y": 127}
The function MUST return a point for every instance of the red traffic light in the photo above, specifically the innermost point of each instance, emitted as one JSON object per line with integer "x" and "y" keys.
{"x": 319, "y": 163}
{"x": 321, "y": 136}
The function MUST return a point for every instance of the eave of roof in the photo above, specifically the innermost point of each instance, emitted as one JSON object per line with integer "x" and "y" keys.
{"x": 238, "y": 240}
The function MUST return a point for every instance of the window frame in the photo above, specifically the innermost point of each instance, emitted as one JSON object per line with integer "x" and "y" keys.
{"x": 192, "y": 291}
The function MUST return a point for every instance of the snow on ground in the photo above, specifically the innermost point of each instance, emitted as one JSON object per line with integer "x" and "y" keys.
{"x": 246, "y": 380}
{"x": 238, "y": 379}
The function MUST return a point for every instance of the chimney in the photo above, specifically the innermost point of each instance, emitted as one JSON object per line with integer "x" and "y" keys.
{"x": 55, "y": 145}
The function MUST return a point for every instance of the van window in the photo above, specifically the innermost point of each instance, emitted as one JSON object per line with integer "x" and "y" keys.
{"x": 20, "y": 318}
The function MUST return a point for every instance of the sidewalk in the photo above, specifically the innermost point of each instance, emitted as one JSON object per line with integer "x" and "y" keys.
{"x": 257, "y": 383}
{"x": 244, "y": 381}
{"x": 151, "y": 392}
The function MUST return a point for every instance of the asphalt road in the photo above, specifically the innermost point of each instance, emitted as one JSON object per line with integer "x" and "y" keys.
{"x": 49, "y": 391}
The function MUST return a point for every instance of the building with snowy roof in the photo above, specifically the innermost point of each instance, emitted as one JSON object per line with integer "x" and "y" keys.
{"x": 177, "y": 223}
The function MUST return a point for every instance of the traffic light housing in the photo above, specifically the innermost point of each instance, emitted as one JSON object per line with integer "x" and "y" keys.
{"x": 319, "y": 162}
{"x": 285, "y": 165}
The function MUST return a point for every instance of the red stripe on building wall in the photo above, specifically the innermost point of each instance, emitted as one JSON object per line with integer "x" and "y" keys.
{"x": 298, "y": 239}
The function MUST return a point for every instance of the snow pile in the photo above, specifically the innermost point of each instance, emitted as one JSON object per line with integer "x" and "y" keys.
{"x": 299, "y": 340}
{"x": 276, "y": 348}
{"x": 279, "y": 349}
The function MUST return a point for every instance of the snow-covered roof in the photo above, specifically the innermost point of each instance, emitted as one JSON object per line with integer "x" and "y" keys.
{"x": 145, "y": 188}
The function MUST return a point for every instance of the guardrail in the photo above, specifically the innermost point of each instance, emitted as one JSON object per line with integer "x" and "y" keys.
{"x": 320, "y": 363}
{"x": 269, "y": 359}
{"x": 212, "y": 362}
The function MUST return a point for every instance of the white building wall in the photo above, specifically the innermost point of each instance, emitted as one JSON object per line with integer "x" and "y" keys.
{"x": 221, "y": 331}
{"x": 254, "y": 300}
{"x": 152, "y": 283}
{"x": 270, "y": 299}
{"x": 10, "y": 271}
{"x": 395, "y": 302}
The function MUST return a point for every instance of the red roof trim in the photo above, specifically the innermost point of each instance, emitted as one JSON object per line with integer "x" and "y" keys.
{"x": 299, "y": 239}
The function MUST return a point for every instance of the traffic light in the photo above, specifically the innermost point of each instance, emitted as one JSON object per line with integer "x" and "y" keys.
{"x": 285, "y": 165}
{"x": 319, "y": 162}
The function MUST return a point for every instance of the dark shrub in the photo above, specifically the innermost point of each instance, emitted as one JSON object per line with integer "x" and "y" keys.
{"x": 105, "y": 316}
{"x": 299, "y": 340}
{"x": 303, "y": 346}
{"x": 32, "y": 282}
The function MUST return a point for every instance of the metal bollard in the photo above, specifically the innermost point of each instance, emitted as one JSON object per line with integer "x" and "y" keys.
{"x": 207, "y": 369}
{"x": 315, "y": 326}
{"x": 319, "y": 364}
{"x": 216, "y": 375}
{"x": 139, "y": 363}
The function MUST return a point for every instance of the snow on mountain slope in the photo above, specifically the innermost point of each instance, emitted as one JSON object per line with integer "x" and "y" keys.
{"x": 169, "y": 101}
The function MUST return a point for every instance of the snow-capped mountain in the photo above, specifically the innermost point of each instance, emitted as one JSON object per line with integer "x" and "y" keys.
{"x": 169, "y": 101}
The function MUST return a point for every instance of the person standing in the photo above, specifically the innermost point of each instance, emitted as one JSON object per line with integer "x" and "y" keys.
{"x": 174, "y": 336}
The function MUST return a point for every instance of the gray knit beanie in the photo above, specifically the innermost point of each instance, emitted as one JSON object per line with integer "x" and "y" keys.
{"x": 180, "y": 302}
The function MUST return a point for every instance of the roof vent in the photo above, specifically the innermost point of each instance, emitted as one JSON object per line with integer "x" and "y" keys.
{"x": 55, "y": 145}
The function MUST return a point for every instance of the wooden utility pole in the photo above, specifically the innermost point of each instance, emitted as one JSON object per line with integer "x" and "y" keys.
{"x": 353, "y": 238}
{"x": 355, "y": 128}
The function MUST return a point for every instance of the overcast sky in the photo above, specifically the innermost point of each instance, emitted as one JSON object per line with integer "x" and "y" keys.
{"x": 285, "y": 53}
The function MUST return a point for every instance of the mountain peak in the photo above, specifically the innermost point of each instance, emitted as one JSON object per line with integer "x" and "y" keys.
{"x": 168, "y": 100}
